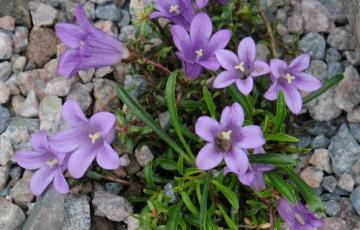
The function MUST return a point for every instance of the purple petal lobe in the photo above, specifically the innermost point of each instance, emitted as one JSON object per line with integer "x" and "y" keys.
{"x": 201, "y": 3}
{"x": 68, "y": 140}
{"x": 245, "y": 86}
{"x": 31, "y": 160}
{"x": 277, "y": 67}
{"x": 193, "y": 71}
{"x": 260, "y": 68}
{"x": 232, "y": 116}
{"x": 227, "y": 59}
{"x": 247, "y": 50}
{"x": 292, "y": 99}
{"x": 200, "y": 28}
{"x": 226, "y": 78}
{"x": 237, "y": 161}
{"x": 39, "y": 141}
{"x": 251, "y": 137}
{"x": 107, "y": 158}
{"x": 180, "y": 36}
{"x": 80, "y": 161}
{"x": 104, "y": 121}
{"x": 69, "y": 62}
{"x": 207, "y": 128}
{"x": 300, "y": 63}
{"x": 60, "y": 184}
{"x": 306, "y": 82}
{"x": 72, "y": 113}
{"x": 208, "y": 157}
{"x": 219, "y": 40}
{"x": 71, "y": 35}
{"x": 247, "y": 178}
{"x": 41, "y": 180}
{"x": 272, "y": 93}
{"x": 211, "y": 63}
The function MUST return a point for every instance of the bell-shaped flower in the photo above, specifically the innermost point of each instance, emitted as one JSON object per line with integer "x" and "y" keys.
{"x": 197, "y": 49}
{"x": 297, "y": 216}
{"x": 254, "y": 175}
{"x": 50, "y": 164}
{"x": 240, "y": 69}
{"x": 290, "y": 79}
{"x": 227, "y": 139}
{"x": 86, "y": 139}
{"x": 179, "y": 12}
{"x": 88, "y": 46}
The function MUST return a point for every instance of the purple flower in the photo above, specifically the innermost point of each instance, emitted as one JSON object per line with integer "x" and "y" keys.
{"x": 227, "y": 139}
{"x": 290, "y": 79}
{"x": 180, "y": 12}
{"x": 50, "y": 165}
{"x": 197, "y": 50}
{"x": 202, "y": 3}
{"x": 89, "y": 46}
{"x": 87, "y": 139}
{"x": 254, "y": 175}
{"x": 240, "y": 69}
{"x": 297, "y": 216}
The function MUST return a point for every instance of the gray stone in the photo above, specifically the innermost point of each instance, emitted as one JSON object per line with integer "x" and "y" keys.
{"x": 20, "y": 39}
{"x": 103, "y": 71}
{"x": 353, "y": 57}
{"x": 108, "y": 12}
{"x": 6, "y": 150}
{"x": 164, "y": 120}
{"x": 125, "y": 18}
{"x": 132, "y": 222}
{"x": 347, "y": 93}
{"x": 50, "y": 114}
{"x": 295, "y": 23}
{"x": 332, "y": 208}
{"x": 324, "y": 108}
{"x": 21, "y": 191}
{"x": 120, "y": 71}
{"x": 346, "y": 182}
{"x": 77, "y": 213}
{"x": 11, "y": 216}
{"x": 316, "y": 16}
{"x": 15, "y": 173}
{"x": 6, "y": 46}
{"x": 18, "y": 63}
{"x": 329, "y": 183}
{"x": 334, "y": 223}
{"x": 102, "y": 2}
{"x": 127, "y": 33}
{"x": 137, "y": 6}
{"x": 19, "y": 129}
{"x": 48, "y": 212}
{"x": 59, "y": 86}
{"x": 354, "y": 115}
{"x": 344, "y": 151}
{"x": 169, "y": 192}
{"x": 5, "y": 71}
{"x": 262, "y": 52}
{"x": 314, "y": 44}
{"x": 4, "y": 93}
{"x": 4, "y": 174}
{"x": 355, "y": 199}
{"x": 108, "y": 27}
{"x": 135, "y": 85}
{"x": 342, "y": 39}
{"x": 81, "y": 94}
{"x": 320, "y": 142}
{"x": 42, "y": 14}
{"x": 115, "y": 208}
{"x": 18, "y": 9}
{"x": 7, "y": 23}
{"x": 4, "y": 118}
{"x": 105, "y": 95}
{"x": 321, "y": 159}
{"x": 312, "y": 176}
{"x": 30, "y": 107}
{"x": 332, "y": 55}
{"x": 34, "y": 80}
{"x": 355, "y": 131}
{"x": 113, "y": 187}
{"x": 87, "y": 75}
{"x": 335, "y": 68}
{"x": 318, "y": 69}
{"x": 143, "y": 155}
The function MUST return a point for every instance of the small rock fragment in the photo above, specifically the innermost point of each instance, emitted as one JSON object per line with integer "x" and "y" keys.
{"x": 312, "y": 176}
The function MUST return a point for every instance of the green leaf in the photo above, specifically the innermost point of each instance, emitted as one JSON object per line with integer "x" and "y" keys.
{"x": 280, "y": 112}
{"x": 282, "y": 137}
{"x": 173, "y": 221}
{"x": 203, "y": 202}
{"x": 227, "y": 219}
{"x": 209, "y": 102}
{"x": 146, "y": 118}
{"x": 282, "y": 186}
{"x": 242, "y": 100}
{"x": 272, "y": 158}
{"x": 170, "y": 99}
{"x": 189, "y": 204}
{"x": 326, "y": 85}
{"x": 229, "y": 194}
{"x": 180, "y": 165}
{"x": 308, "y": 193}
{"x": 149, "y": 175}
{"x": 168, "y": 164}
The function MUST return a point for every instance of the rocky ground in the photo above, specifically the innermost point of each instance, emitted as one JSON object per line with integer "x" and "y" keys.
{"x": 31, "y": 96}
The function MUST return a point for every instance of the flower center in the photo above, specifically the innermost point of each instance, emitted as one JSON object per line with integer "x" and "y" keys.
{"x": 94, "y": 137}
{"x": 299, "y": 218}
{"x": 199, "y": 53}
{"x": 52, "y": 163}
{"x": 223, "y": 140}
{"x": 174, "y": 9}
{"x": 240, "y": 67}
{"x": 289, "y": 78}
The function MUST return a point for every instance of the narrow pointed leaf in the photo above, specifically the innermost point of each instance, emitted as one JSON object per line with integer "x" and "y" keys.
{"x": 273, "y": 159}
{"x": 209, "y": 102}
{"x": 228, "y": 193}
{"x": 282, "y": 186}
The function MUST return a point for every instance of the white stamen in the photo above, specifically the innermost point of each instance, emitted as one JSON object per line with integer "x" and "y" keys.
{"x": 299, "y": 218}
{"x": 240, "y": 67}
{"x": 52, "y": 163}
{"x": 289, "y": 78}
{"x": 94, "y": 137}
{"x": 174, "y": 9}
{"x": 199, "y": 53}
{"x": 226, "y": 135}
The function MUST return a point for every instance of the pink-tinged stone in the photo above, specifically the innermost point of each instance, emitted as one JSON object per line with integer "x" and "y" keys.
{"x": 7, "y": 23}
{"x": 34, "y": 80}
{"x": 312, "y": 176}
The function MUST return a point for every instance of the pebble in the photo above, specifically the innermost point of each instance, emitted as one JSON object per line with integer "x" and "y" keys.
{"x": 7, "y": 23}
{"x": 347, "y": 93}
{"x": 127, "y": 33}
{"x": 5, "y": 70}
{"x": 332, "y": 55}
{"x": 341, "y": 39}
{"x": 20, "y": 39}
{"x": 164, "y": 120}
{"x": 86, "y": 75}
{"x": 113, "y": 207}
{"x": 18, "y": 63}
{"x": 321, "y": 159}
{"x": 169, "y": 192}
{"x": 108, "y": 12}
{"x": 4, "y": 93}
{"x": 125, "y": 18}
{"x": 105, "y": 95}
{"x": 135, "y": 85}
{"x": 42, "y": 14}
{"x": 42, "y": 45}
{"x": 120, "y": 71}
{"x": 316, "y": 16}
{"x": 113, "y": 187}
{"x": 355, "y": 199}
{"x": 334, "y": 223}
{"x": 355, "y": 131}
{"x": 34, "y": 80}
{"x": 77, "y": 213}
{"x": 353, "y": 57}
{"x": 103, "y": 71}
{"x": 30, "y": 107}
{"x": 262, "y": 52}
{"x": 51, "y": 67}
{"x": 143, "y": 155}
{"x": 324, "y": 108}
{"x": 312, "y": 176}
{"x": 332, "y": 208}
{"x": 4, "y": 174}
{"x": 335, "y": 68}
{"x": 21, "y": 191}
{"x": 346, "y": 182}
{"x": 59, "y": 86}
{"x": 15, "y": 173}
{"x": 81, "y": 94}
{"x": 295, "y": 23}
{"x": 354, "y": 115}
{"x": 318, "y": 69}
{"x": 6, "y": 150}
{"x": 132, "y": 223}
{"x": 320, "y": 142}
{"x": 6, "y": 46}
{"x": 108, "y": 27}
{"x": 314, "y": 44}
{"x": 344, "y": 150}
{"x": 11, "y": 216}
{"x": 16, "y": 103}
{"x": 102, "y": 2}
{"x": 50, "y": 114}
{"x": 329, "y": 183}
{"x": 4, "y": 118}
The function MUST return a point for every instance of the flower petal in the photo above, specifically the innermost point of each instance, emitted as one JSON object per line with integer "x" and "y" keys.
{"x": 226, "y": 78}
{"x": 68, "y": 140}
{"x": 258, "y": 183}
{"x": 237, "y": 161}
{"x": 201, "y": 3}
{"x": 233, "y": 115}
{"x": 207, "y": 128}
{"x": 82, "y": 20}
{"x": 300, "y": 63}
{"x": 245, "y": 86}
{"x": 200, "y": 28}
{"x": 32, "y": 160}
{"x": 72, "y": 113}
{"x": 211, "y": 63}
{"x": 107, "y": 158}
{"x": 105, "y": 122}
{"x": 180, "y": 37}
{"x": 273, "y": 92}
{"x": 193, "y": 71}
{"x": 208, "y": 157}
{"x": 218, "y": 41}
{"x": 277, "y": 67}
{"x": 292, "y": 98}
{"x": 260, "y": 68}
{"x": 69, "y": 34}
{"x": 39, "y": 141}
{"x": 286, "y": 211}
{"x": 247, "y": 178}
{"x": 251, "y": 137}
{"x": 247, "y": 51}
{"x": 69, "y": 62}
{"x": 227, "y": 59}
{"x": 41, "y": 180}
{"x": 80, "y": 161}
{"x": 60, "y": 184}
{"x": 306, "y": 82}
